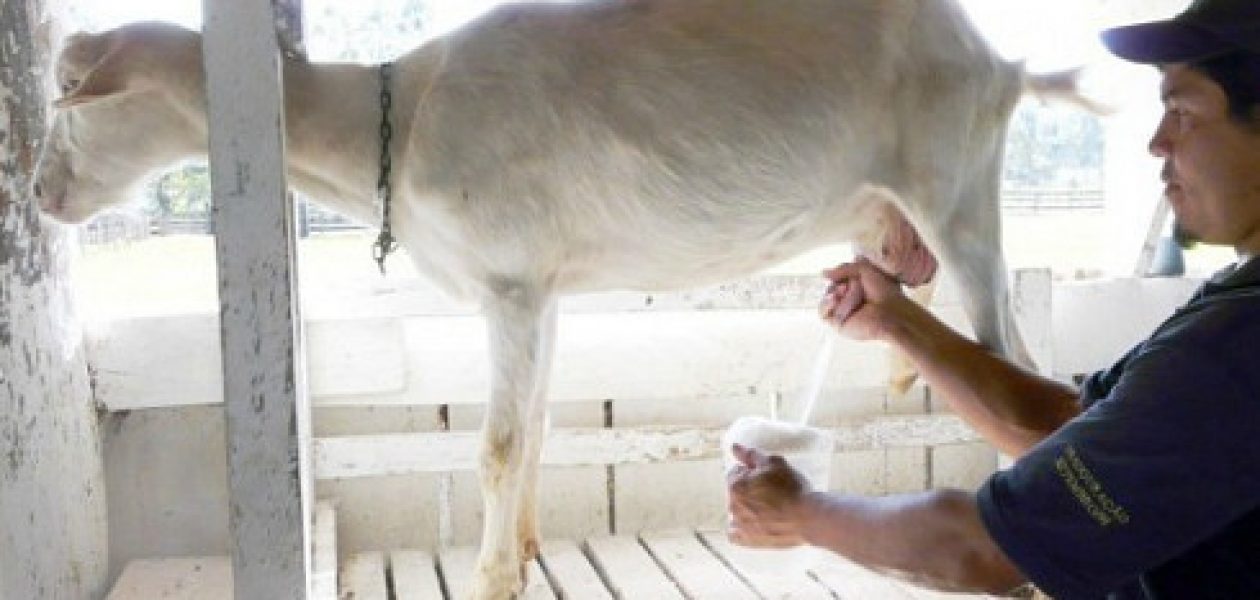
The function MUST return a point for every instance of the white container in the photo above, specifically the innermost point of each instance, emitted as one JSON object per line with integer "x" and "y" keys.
{"x": 806, "y": 449}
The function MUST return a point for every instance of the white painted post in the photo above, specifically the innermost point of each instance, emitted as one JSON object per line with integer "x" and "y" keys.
{"x": 54, "y": 539}
{"x": 263, "y": 370}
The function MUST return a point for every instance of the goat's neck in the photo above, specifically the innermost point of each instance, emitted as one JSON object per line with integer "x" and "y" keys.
{"x": 332, "y": 114}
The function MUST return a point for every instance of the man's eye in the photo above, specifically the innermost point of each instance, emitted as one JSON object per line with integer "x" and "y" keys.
{"x": 69, "y": 86}
{"x": 1179, "y": 116}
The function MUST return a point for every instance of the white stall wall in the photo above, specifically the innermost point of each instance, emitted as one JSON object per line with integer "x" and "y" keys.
{"x": 52, "y": 494}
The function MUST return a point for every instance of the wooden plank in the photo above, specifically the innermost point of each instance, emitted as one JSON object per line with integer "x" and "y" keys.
{"x": 745, "y": 353}
{"x": 414, "y": 574}
{"x": 324, "y": 556}
{"x": 397, "y": 454}
{"x": 694, "y": 568}
{"x": 142, "y": 359}
{"x": 663, "y": 496}
{"x": 849, "y": 581}
{"x": 774, "y": 575}
{"x": 631, "y": 573}
{"x": 363, "y": 577}
{"x": 443, "y": 360}
{"x": 263, "y": 366}
{"x": 356, "y": 357}
{"x": 919, "y": 593}
{"x": 458, "y": 566}
{"x": 571, "y": 572}
{"x": 208, "y": 578}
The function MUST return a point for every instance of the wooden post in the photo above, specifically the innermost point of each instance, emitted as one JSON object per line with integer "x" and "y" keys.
{"x": 53, "y": 538}
{"x": 263, "y": 370}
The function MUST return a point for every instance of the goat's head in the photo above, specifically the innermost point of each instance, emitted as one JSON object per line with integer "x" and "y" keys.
{"x": 133, "y": 100}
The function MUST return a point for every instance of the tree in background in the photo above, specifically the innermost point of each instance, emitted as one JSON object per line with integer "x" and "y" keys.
{"x": 1053, "y": 147}
{"x": 366, "y": 33}
{"x": 182, "y": 194}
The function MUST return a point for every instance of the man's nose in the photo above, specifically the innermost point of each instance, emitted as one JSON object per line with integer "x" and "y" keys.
{"x": 38, "y": 189}
{"x": 1161, "y": 144}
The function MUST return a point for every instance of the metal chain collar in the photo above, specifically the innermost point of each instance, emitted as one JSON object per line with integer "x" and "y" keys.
{"x": 385, "y": 242}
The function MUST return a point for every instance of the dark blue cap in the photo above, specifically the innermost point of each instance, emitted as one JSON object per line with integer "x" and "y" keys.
{"x": 1208, "y": 28}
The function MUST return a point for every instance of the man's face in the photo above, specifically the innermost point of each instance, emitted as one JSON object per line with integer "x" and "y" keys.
{"x": 1211, "y": 162}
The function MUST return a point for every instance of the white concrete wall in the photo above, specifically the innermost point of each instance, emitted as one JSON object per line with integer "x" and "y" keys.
{"x": 52, "y": 494}
{"x": 165, "y": 465}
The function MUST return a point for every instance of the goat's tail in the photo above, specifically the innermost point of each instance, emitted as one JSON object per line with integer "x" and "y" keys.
{"x": 1062, "y": 86}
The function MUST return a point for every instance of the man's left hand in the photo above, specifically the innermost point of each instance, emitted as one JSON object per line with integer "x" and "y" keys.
{"x": 767, "y": 500}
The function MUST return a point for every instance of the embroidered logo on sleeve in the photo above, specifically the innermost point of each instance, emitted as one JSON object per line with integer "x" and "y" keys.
{"x": 1087, "y": 490}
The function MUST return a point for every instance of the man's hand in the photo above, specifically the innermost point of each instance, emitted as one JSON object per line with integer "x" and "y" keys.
{"x": 767, "y": 501}
{"x": 856, "y": 300}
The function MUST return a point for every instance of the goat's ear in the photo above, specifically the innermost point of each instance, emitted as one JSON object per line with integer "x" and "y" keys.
{"x": 91, "y": 67}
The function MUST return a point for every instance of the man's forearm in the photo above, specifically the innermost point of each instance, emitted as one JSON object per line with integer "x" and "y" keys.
{"x": 935, "y": 539}
{"x": 1011, "y": 407}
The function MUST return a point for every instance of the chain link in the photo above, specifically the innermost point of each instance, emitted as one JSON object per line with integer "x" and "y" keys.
{"x": 385, "y": 242}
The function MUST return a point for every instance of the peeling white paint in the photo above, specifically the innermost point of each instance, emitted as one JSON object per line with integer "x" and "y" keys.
{"x": 54, "y": 540}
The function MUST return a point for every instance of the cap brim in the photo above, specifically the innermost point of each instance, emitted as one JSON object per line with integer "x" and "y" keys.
{"x": 1163, "y": 42}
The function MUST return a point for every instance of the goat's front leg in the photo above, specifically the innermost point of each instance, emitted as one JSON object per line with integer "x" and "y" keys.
{"x": 520, "y": 323}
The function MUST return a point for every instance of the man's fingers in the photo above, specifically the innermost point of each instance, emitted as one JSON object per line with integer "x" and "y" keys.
{"x": 748, "y": 456}
{"x": 850, "y": 270}
{"x": 736, "y": 536}
{"x": 827, "y": 306}
{"x": 743, "y": 454}
{"x": 776, "y": 462}
{"x": 848, "y": 300}
{"x": 844, "y": 271}
{"x": 740, "y": 511}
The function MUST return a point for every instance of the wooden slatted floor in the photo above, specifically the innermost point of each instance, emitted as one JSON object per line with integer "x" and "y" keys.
{"x": 677, "y": 565}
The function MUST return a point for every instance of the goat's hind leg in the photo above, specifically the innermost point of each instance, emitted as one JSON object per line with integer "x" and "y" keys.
{"x": 535, "y": 434}
{"x": 517, "y": 322}
{"x": 968, "y": 242}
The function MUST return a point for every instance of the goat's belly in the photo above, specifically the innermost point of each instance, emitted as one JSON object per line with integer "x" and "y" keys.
{"x": 661, "y": 272}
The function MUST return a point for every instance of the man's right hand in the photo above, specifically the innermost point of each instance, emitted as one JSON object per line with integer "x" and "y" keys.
{"x": 857, "y": 299}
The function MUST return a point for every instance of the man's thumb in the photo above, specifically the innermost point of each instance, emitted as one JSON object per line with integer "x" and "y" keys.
{"x": 749, "y": 457}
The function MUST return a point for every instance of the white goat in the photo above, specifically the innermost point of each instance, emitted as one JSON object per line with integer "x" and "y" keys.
{"x": 645, "y": 144}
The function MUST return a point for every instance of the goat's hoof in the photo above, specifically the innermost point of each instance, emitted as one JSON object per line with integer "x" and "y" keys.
{"x": 497, "y": 584}
{"x": 901, "y": 383}
{"x": 529, "y": 551}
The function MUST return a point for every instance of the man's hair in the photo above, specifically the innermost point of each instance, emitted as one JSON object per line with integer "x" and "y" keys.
{"x": 1238, "y": 74}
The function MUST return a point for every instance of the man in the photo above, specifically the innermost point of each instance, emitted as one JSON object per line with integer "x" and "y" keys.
{"x": 1145, "y": 483}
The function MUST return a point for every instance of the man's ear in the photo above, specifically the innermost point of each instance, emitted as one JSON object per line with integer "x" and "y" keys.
{"x": 92, "y": 67}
